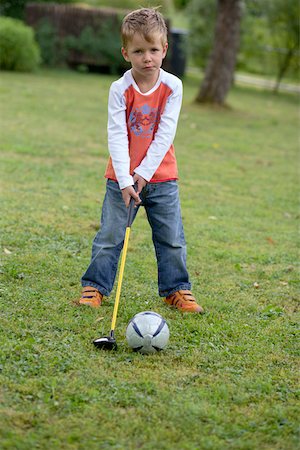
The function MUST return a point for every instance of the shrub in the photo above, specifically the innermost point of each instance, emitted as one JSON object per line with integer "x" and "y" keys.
{"x": 78, "y": 36}
{"x": 18, "y": 49}
{"x": 16, "y": 8}
{"x": 52, "y": 49}
{"x": 101, "y": 47}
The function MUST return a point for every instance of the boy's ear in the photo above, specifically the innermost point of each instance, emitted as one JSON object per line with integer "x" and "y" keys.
{"x": 165, "y": 49}
{"x": 125, "y": 54}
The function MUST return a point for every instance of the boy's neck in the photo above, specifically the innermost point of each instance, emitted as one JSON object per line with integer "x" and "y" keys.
{"x": 145, "y": 84}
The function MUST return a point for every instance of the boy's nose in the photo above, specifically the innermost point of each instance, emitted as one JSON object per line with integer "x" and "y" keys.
{"x": 147, "y": 57}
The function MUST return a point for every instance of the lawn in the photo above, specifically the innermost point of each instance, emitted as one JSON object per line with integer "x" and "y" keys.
{"x": 228, "y": 379}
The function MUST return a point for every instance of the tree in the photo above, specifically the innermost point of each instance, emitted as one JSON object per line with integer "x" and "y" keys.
{"x": 283, "y": 20}
{"x": 270, "y": 38}
{"x": 219, "y": 73}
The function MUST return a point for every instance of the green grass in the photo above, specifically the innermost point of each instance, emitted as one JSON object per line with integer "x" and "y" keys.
{"x": 227, "y": 380}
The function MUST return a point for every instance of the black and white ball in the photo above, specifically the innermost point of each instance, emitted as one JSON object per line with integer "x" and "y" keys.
{"x": 147, "y": 332}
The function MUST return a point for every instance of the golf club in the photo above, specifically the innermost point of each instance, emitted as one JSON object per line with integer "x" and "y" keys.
{"x": 109, "y": 342}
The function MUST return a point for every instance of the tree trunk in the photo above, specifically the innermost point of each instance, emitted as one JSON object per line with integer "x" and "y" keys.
{"x": 219, "y": 72}
{"x": 283, "y": 67}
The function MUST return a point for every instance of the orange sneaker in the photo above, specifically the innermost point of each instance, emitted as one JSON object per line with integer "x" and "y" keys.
{"x": 91, "y": 297}
{"x": 184, "y": 301}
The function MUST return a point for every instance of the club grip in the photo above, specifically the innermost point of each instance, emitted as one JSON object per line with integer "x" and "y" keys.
{"x": 131, "y": 210}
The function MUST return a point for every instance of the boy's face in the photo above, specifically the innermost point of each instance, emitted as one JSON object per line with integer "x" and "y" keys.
{"x": 145, "y": 57}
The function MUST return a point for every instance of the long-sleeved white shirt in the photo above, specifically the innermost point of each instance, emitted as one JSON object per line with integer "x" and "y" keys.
{"x": 141, "y": 129}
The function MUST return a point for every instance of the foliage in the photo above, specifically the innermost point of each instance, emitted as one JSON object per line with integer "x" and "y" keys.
{"x": 181, "y": 4}
{"x": 166, "y": 5}
{"x": 202, "y": 16}
{"x": 103, "y": 45}
{"x": 283, "y": 21}
{"x": 253, "y": 56}
{"x": 270, "y": 37}
{"x": 268, "y": 30}
{"x": 18, "y": 49}
{"x": 52, "y": 50}
{"x": 16, "y": 8}
{"x": 227, "y": 380}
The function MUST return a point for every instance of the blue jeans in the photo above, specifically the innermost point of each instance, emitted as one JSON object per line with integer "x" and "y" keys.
{"x": 161, "y": 202}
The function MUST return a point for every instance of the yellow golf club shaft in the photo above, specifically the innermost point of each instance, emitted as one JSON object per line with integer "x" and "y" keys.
{"x": 122, "y": 266}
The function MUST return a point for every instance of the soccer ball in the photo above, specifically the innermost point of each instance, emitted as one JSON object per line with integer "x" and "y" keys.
{"x": 147, "y": 332}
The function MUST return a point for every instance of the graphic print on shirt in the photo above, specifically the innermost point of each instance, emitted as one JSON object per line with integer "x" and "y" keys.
{"x": 144, "y": 120}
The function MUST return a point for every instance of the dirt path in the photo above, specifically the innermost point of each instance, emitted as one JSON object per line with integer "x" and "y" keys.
{"x": 257, "y": 81}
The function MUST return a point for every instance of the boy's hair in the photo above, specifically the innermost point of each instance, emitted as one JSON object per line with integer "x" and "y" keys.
{"x": 144, "y": 21}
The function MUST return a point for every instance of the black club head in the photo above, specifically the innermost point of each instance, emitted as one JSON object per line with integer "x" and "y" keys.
{"x": 106, "y": 343}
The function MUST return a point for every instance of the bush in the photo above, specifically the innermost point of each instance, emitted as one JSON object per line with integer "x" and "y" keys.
{"x": 18, "y": 49}
{"x": 16, "y": 8}
{"x": 52, "y": 50}
{"x": 78, "y": 36}
{"x": 101, "y": 47}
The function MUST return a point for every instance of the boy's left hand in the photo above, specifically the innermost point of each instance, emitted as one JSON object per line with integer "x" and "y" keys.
{"x": 139, "y": 182}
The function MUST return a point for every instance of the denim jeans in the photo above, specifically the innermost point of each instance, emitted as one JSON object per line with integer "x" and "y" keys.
{"x": 161, "y": 202}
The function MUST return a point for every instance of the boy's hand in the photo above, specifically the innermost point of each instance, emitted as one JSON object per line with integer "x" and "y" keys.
{"x": 140, "y": 183}
{"x": 129, "y": 192}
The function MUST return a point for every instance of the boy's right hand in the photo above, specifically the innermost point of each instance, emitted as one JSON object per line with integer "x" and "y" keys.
{"x": 129, "y": 192}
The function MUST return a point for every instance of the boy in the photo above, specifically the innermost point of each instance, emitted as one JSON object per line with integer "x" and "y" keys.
{"x": 143, "y": 110}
